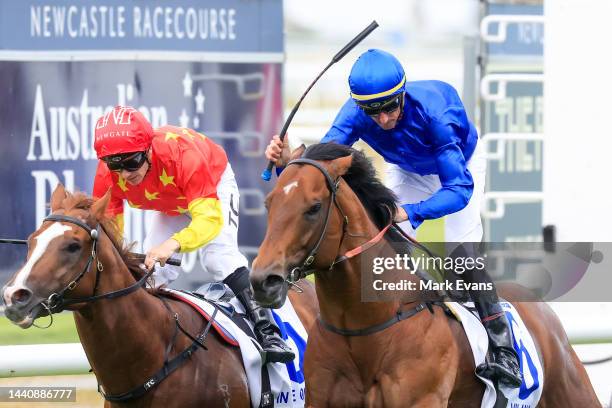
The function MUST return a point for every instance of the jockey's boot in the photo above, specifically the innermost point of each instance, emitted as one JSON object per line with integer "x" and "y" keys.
{"x": 274, "y": 348}
{"x": 505, "y": 365}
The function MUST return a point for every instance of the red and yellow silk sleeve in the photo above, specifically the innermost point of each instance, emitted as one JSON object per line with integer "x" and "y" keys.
{"x": 206, "y": 223}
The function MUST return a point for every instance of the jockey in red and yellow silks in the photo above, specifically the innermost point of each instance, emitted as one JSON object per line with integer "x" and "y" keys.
{"x": 185, "y": 168}
{"x": 187, "y": 180}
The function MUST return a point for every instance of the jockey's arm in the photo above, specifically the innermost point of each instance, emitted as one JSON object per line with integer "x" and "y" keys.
{"x": 342, "y": 131}
{"x": 455, "y": 178}
{"x": 206, "y": 223}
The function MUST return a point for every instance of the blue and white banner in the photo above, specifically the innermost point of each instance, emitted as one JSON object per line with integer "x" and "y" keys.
{"x": 227, "y": 26}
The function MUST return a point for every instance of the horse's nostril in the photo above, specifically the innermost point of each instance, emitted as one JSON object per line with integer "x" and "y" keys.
{"x": 21, "y": 296}
{"x": 272, "y": 281}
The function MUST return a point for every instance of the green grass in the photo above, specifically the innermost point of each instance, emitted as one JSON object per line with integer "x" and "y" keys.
{"x": 62, "y": 331}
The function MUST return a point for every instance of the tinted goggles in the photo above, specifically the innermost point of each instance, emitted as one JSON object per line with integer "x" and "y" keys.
{"x": 388, "y": 106}
{"x": 129, "y": 161}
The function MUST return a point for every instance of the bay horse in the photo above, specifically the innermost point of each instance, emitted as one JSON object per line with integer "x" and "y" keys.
{"x": 327, "y": 215}
{"x": 75, "y": 260}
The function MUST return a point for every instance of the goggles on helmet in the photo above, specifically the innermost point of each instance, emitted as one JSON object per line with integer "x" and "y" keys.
{"x": 387, "y": 106}
{"x": 128, "y": 161}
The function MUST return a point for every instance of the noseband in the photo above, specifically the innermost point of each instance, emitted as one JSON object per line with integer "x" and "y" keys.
{"x": 56, "y": 302}
{"x": 303, "y": 270}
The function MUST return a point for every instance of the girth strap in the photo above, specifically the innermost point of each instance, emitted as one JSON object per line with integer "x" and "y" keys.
{"x": 398, "y": 317}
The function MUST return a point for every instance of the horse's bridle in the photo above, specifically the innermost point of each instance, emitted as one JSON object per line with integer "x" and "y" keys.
{"x": 56, "y": 302}
{"x": 302, "y": 271}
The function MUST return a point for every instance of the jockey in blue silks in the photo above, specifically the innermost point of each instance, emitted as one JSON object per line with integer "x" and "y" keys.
{"x": 436, "y": 167}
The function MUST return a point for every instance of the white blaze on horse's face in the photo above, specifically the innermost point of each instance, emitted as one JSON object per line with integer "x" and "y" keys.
{"x": 42, "y": 242}
{"x": 287, "y": 189}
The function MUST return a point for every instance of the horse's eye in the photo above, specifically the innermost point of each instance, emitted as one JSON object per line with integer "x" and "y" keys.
{"x": 313, "y": 209}
{"x": 73, "y": 247}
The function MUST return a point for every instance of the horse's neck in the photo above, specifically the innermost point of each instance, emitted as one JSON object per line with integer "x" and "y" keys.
{"x": 129, "y": 331}
{"x": 341, "y": 287}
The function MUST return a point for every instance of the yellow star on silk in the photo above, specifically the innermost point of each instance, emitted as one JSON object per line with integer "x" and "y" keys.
{"x": 170, "y": 135}
{"x": 166, "y": 179}
{"x": 186, "y": 132}
{"x": 151, "y": 196}
{"x": 181, "y": 210}
{"x": 134, "y": 205}
{"x": 122, "y": 185}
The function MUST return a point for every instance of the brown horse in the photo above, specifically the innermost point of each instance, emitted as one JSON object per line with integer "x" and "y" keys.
{"x": 326, "y": 214}
{"x": 126, "y": 336}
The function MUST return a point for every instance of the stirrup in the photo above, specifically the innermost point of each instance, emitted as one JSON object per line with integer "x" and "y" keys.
{"x": 502, "y": 370}
{"x": 274, "y": 350}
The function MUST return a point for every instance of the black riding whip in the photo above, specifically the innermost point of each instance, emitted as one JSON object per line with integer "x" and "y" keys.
{"x": 267, "y": 173}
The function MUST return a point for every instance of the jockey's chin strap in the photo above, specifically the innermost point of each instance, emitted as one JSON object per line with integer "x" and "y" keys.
{"x": 303, "y": 270}
{"x": 56, "y": 302}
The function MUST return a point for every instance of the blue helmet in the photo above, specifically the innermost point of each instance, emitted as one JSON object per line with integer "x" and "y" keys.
{"x": 376, "y": 76}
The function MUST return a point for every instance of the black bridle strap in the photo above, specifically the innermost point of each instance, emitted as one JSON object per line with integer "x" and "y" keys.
{"x": 331, "y": 184}
{"x": 398, "y": 317}
{"x": 57, "y": 302}
{"x": 301, "y": 271}
{"x": 110, "y": 295}
{"x": 168, "y": 368}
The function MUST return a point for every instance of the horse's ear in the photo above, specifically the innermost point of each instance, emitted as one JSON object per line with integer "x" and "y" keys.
{"x": 98, "y": 208}
{"x": 297, "y": 153}
{"x": 340, "y": 166}
{"x": 58, "y": 195}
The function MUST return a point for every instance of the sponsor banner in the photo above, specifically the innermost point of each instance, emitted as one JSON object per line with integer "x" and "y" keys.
{"x": 51, "y": 108}
{"x": 228, "y": 26}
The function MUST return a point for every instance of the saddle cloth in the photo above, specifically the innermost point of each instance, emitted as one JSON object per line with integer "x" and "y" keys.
{"x": 530, "y": 391}
{"x": 286, "y": 380}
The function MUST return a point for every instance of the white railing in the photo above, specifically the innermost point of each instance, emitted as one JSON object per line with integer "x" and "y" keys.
{"x": 42, "y": 359}
{"x": 54, "y": 359}
{"x": 501, "y": 198}
{"x": 502, "y": 21}
{"x": 502, "y": 81}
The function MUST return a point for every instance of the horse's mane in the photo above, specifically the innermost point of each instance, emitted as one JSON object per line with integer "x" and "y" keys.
{"x": 378, "y": 200}
{"x": 81, "y": 201}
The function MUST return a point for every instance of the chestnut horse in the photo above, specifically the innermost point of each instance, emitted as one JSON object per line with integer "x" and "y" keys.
{"x": 75, "y": 262}
{"x": 326, "y": 215}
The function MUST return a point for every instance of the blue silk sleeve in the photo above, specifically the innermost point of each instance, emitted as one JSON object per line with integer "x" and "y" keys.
{"x": 455, "y": 178}
{"x": 344, "y": 130}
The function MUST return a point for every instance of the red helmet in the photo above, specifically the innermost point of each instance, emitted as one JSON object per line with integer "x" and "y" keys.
{"x": 122, "y": 130}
